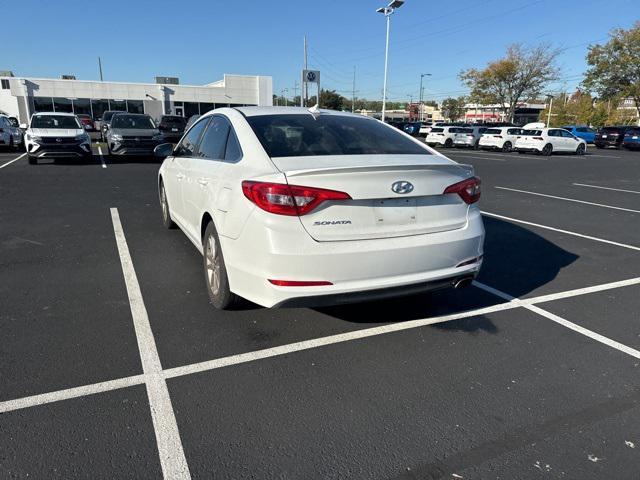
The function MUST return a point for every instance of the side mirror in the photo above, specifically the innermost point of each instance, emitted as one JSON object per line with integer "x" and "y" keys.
{"x": 23, "y": 126}
{"x": 163, "y": 150}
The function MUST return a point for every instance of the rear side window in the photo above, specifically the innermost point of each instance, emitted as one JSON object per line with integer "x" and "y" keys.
{"x": 187, "y": 146}
{"x": 514, "y": 131}
{"x": 531, "y": 133}
{"x": 306, "y": 135}
{"x": 214, "y": 139}
{"x": 492, "y": 131}
{"x": 437, "y": 130}
{"x": 233, "y": 153}
{"x": 462, "y": 130}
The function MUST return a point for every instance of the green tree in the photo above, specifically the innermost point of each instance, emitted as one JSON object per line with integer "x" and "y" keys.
{"x": 453, "y": 108}
{"x": 614, "y": 68}
{"x": 331, "y": 100}
{"x": 522, "y": 74}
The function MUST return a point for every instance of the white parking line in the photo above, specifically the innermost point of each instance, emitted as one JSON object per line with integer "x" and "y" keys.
{"x": 559, "y": 230}
{"x": 569, "y": 199}
{"x": 104, "y": 165}
{"x": 565, "y": 323}
{"x": 14, "y": 160}
{"x": 606, "y": 188}
{"x": 172, "y": 459}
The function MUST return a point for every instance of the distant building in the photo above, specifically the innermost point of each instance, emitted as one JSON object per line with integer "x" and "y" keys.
{"x": 22, "y": 96}
{"x": 526, "y": 112}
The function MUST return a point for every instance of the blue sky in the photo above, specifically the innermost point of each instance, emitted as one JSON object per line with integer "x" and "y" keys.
{"x": 201, "y": 40}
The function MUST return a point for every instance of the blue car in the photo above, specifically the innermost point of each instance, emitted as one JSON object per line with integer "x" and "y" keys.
{"x": 632, "y": 139}
{"x": 580, "y": 131}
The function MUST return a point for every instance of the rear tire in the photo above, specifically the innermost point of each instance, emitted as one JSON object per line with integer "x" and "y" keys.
{"x": 215, "y": 271}
{"x": 448, "y": 143}
{"x": 507, "y": 147}
{"x": 581, "y": 149}
{"x": 166, "y": 213}
{"x": 547, "y": 150}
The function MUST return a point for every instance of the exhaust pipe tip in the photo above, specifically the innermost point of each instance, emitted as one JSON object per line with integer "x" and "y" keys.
{"x": 463, "y": 282}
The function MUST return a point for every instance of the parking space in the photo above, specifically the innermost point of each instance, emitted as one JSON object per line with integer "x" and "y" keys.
{"x": 111, "y": 347}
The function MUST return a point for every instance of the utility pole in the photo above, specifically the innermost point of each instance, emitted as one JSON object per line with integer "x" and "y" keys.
{"x": 100, "y": 68}
{"x": 353, "y": 92}
{"x": 295, "y": 91}
{"x": 303, "y": 98}
{"x": 549, "y": 114}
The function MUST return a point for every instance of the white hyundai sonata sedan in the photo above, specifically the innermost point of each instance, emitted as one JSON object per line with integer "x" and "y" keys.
{"x": 306, "y": 207}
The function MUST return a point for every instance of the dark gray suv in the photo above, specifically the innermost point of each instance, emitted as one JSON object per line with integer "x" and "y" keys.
{"x": 132, "y": 134}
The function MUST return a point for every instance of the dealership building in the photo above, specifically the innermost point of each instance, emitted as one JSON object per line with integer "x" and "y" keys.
{"x": 21, "y": 97}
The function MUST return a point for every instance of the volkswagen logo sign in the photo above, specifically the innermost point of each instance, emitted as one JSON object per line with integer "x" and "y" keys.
{"x": 59, "y": 140}
{"x": 402, "y": 186}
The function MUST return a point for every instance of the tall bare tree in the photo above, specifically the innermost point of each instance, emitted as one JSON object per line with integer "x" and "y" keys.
{"x": 614, "y": 68}
{"x": 521, "y": 75}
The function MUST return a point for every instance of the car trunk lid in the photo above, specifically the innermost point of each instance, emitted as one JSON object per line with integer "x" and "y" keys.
{"x": 375, "y": 210}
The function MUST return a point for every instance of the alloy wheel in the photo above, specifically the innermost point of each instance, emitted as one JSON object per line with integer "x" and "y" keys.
{"x": 212, "y": 265}
{"x": 164, "y": 205}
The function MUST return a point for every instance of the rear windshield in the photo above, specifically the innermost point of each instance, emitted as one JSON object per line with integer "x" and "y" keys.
{"x": 54, "y": 121}
{"x": 174, "y": 120}
{"x": 492, "y": 131}
{"x": 131, "y": 121}
{"x": 611, "y": 130}
{"x": 437, "y": 130}
{"x": 296, "y": 135}
{"x": 530, "y": 133}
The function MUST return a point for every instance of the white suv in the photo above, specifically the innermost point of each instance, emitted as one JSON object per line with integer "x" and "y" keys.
{"x": 441, "y": 136}
{"x": 501, "y": 138}
{"x": 56, "y": 135}
{"x": 10, "y": 135}
{"x": 548, "y": 140}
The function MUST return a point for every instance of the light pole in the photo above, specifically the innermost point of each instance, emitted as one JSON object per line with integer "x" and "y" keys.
{"x": 550, "y": 98}
{"x": 422, "y": 75}
{"x": 387, "y": 12}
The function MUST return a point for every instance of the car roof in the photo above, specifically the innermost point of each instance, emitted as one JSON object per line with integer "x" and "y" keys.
{"x": 61, "y": 114}
{"x": 257, "y": 111}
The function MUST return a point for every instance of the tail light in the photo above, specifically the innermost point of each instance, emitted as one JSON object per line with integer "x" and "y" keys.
{"x": 538, "y": 138}
{"x": 292, "y": 200}
{"x": 469, "y": 190}
{"x": 299, "y": 283}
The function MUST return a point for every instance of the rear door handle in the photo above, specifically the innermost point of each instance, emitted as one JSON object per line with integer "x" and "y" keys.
{"x": 203, "y": 181}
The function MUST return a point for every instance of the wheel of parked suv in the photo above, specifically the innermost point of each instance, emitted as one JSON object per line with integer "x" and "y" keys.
{"x": 32, "y": 160}
{"x": 215, "y": 272}
{"x": 166, "y": 213}
{"x": 546, "y": 151}
{"x": 581, "y": 149}
{"x": 448, "y": 143}
{"x": 507, "y": 147}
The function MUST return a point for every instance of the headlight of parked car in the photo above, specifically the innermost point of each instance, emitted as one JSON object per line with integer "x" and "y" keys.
{"x": 33, "y": 138}
{"x": 85, "y": 138}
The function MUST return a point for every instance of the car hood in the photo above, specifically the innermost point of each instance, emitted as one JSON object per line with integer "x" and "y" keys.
{"x": 135, "y": 132}
{"x": 56, "y": 132}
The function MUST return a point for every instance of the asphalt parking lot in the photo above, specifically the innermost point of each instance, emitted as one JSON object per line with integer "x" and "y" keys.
{"x": 114, "y": 365}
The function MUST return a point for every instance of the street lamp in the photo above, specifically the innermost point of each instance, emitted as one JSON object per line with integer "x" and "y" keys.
{"x": 422, "y": 75}
{"x": 550, "y": 98}
{"x": 387, "y": 12}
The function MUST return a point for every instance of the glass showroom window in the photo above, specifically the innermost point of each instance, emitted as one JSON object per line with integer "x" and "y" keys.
{"x": 99, "y": 107}
{"x": 205, "y": 107}
{"x": 82, "y": 106}
{"x": 135, "y": 106}
{"x": 120, "y": 105}
{"x": 42, "y": 104}
{"x": 191, "y": 108}
{"x": 63, "y": 105}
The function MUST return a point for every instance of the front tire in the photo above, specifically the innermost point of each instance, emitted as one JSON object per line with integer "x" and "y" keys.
{"x": 507, "y": 147}
{"x": 448, "y": 143}
{"x": 547, "y": 150}
{"x": 33, "y": 160}
{"x": 581, "y": 149}
{"x": 166, "y": 213}
{"x": 215, "y": 271}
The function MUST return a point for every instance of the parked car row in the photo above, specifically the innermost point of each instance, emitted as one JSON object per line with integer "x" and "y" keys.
{"x": 10, "y": 133}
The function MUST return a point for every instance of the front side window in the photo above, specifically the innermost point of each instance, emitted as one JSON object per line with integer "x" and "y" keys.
{"x": 187, "y": 146}
{"x": 566, "y": 134}
{"x": 131, "y": 121}
{"x": 294, "y": 135}
{"x": 214, "y": 139}
{"x": 54, "y": 121}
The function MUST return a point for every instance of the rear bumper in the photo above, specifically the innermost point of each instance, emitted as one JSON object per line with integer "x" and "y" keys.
{"x": 358, "y": 269}
{"x": 527, "y": 148}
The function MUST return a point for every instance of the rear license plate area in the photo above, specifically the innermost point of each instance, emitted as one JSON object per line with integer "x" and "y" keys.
{"x": 395, "y": 211}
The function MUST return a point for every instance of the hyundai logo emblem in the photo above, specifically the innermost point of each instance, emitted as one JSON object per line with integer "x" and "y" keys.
{"x": 402, "y": 186}
{"x": 59, "y": 140}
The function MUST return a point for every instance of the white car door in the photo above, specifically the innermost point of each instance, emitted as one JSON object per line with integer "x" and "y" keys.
{"x": 571, "y": 142}
{"x": 177, "y": 183}
{"x": 204, "y": 170}
{"x": 554, "y": 137}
